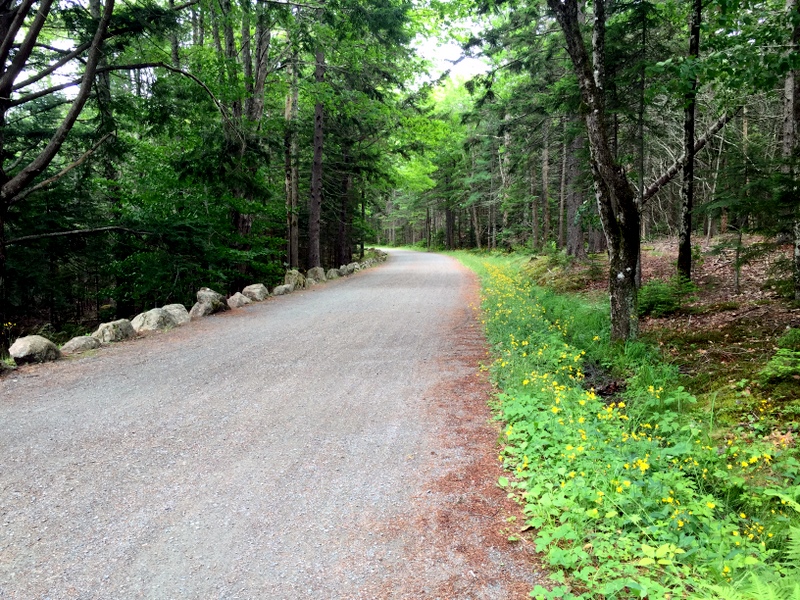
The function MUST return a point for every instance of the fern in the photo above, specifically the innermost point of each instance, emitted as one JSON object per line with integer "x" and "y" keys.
{"x": 764, "y": 586}
{"x": 793, "y": 547}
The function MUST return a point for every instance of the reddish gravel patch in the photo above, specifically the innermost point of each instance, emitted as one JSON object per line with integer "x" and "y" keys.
{"x": 456, "y": 537}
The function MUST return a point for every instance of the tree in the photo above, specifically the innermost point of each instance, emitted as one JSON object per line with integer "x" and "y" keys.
{"x": 615, "y": 197}
{"x": 687, "y": 184}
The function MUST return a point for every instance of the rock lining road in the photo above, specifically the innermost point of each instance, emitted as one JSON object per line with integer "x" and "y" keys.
{"x": 329, "y": 444}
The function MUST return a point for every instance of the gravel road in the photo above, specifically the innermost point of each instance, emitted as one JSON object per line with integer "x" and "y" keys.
{"x": 296, "y": 448}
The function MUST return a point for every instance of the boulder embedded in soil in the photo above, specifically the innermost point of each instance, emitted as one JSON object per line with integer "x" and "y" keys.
{"x": 115, "y": 331}
{"x": 154, "y": 319}
{"x": 178, "y": 312}
{"x": 238, "y": 300}
{"x": 33, "y": 349}
{"x": 256, "y": 292}
{"x": 332, "y": 274}
{"x": 295, "y": 279}
{"x": 82, "y": 343}
{"x": 208, "y": 303}
{"x": 316, "y": 273}
{"x": 282, "y": 290}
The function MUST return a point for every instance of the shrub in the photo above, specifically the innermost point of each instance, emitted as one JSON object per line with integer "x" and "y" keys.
{"x": 784, "y": 365}
{"x": 790, "y": 340}
{"x": 660, "y": 298}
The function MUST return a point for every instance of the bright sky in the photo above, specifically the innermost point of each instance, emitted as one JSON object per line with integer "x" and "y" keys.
{"x": 442, "y": 56}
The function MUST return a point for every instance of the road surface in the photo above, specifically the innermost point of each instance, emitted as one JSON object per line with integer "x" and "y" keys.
{"x": 328, "y": 444}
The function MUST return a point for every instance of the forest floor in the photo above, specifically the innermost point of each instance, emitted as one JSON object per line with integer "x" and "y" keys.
{"x": 721, "y": 337}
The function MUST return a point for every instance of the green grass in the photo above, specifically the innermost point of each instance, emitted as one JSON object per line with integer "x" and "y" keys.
{"x": 635, "y": 494}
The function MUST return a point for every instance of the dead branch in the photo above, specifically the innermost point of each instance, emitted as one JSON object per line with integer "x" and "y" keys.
{"x": 63, "y": 171}
{"x": 652, "y": 189}
{"x": 39, "y": 236}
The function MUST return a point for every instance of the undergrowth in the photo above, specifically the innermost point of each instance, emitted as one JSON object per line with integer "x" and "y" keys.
{"x": 632, "y": 495}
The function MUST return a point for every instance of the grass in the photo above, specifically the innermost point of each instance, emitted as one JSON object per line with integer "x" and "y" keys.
{"x": 634, "y": 488}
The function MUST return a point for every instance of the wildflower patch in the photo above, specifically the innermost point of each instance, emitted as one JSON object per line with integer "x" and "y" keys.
{"x": 630, "y": 494}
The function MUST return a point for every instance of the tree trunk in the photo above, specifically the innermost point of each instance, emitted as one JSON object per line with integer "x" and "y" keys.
{"x": 173, "y": 42}
{"x": 790, "y": 148}
{"x": 343, "y": 247}
{"x": 291, "y": 171}
{"x": 315, "y": 204}
{"x": 449, "y": 227}
{"x": 534, "y": 209}
{"x": 363, "y": 216}
{"x": 563, "y": 191}
{"x": 615, "y": 197}
{"x": 476, "y": 226}
{"x": 687, "y": 184}
{"x": 546, "y": 182}
{"x": 575, "y": 199}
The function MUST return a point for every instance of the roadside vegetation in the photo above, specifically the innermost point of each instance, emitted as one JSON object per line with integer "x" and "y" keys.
{"x": 643, "y": 470}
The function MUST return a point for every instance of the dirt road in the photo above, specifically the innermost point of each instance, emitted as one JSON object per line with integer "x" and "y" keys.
{"x": 329, "y": 444}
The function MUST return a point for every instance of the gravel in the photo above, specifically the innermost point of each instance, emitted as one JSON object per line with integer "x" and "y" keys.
{"x": 246, "y": 455}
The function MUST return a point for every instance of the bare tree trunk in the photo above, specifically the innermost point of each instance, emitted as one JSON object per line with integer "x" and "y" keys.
{"x": 344, "y": 249}
{"x": 563, "y": 191}
{"x": 534, "y": 208}
{"x": 173, "y": 42}
{"x": 291, "y": 170}
{"x": 687, "y": 184}
{"x": 363, "y": 217}
{"x": 247, "y": 57}
{"x": 575, "y": 199}
{"x": 546, "y": 182}
{"x": 714, "y": 188}
{"x": 263, "y": 40}
{"x": 476, "y": 226}
{"x": 790, "y": 148}
{"x": 230, "y": 54}
{"x": 315, "y": 204}
{"x": 616, "y": 200}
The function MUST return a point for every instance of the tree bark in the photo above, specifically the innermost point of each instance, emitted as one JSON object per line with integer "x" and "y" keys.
{"x": 687, "y": 183}
{"x": 546, "y": 182}
{"x": 315, "y": 204}
{"x": 291, "y": 170}
{"x": 173, "y": 42}
{"x": 616, "y": 199}
{"x": 534, "y": 209}
{"x": 575, "y": 199}
{"x": 562, "y": 202}
{"x": 263, "y": 40}
{"x": 790, "y": 147}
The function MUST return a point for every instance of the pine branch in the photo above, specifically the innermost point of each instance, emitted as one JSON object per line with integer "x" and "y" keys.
{"x": 676, "y": 167}
{"x": 40, "y": 236}
{"x": 63, "y": 171}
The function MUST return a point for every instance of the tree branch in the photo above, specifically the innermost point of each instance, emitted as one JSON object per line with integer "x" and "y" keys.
{"x": 131, "y": 67}
{"x": 652, "y": 189}
{"x": 39, "y": 236}
{"x": 60, "y": 63}
{"x": 25, "y": 49}
{"x": 13, "y": 29}
{"x": 63, "y": 171}
{"x": 13, "y": 187}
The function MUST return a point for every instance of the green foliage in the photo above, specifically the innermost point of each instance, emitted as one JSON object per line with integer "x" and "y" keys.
{"x": 790, "y": 340}
{"x": 630, "y": 494}
{"x": 660, "y": 298}
{"x": 779, "y": 584}
{"x": 784, "y": 365}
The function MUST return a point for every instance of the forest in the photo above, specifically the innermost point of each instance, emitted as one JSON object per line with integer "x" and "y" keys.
{"x": 150, "y": 148}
